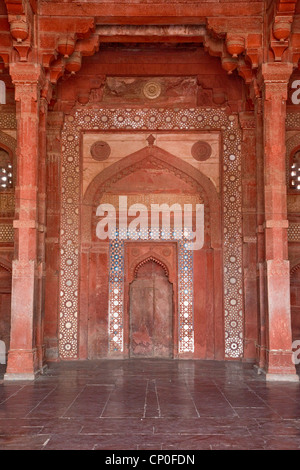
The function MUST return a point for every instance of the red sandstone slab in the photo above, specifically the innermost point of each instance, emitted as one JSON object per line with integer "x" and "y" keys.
{"x": 211, "y": 442}
{"x": 127, "y": 400}
{"x": 118, "y": 426}
{"x": 19, "y": 427}
{"x": 90, "y": 402}
{"x": 201, "y": 426}
{"x": 23, "y": 442}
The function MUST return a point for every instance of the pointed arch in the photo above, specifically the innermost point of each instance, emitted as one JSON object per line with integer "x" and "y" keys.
{"x": 166, "y": 161}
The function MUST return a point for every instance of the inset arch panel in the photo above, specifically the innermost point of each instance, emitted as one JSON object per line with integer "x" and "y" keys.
{"x": 86, "y": 119}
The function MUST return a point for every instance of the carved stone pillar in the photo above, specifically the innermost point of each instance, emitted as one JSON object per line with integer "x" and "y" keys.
{"x": 22, "y": 357}
{"x": 279, "y": 365}
{"x": 42, "y": 202}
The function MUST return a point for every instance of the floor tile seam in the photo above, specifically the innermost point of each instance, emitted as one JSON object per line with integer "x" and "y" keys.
{"x": 73, "y": 401}
{"x": 41, "y": 401}
{"x": 193, "y": 401}
{"x": 13, "y": 395}
{"x": 268, "y": 406}
{"x": 106, "y": 403}
{"x": 224, "y": 396}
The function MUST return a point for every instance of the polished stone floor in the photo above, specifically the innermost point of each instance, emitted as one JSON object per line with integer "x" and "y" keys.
{"x": 149, "y": 405}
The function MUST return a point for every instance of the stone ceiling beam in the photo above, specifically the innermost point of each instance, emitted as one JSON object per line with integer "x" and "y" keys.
{"x": 154, "y": 12}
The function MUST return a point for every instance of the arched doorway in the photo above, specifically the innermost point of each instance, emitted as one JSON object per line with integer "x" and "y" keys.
{"x": 151, "y": 312}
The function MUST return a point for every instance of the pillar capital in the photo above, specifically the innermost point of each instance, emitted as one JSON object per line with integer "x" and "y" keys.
{"x": 276, "y": 72}
{"x": 28, "y": 79}
{"x": 274, "y": 80}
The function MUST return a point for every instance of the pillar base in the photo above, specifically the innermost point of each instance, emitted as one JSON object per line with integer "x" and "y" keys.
{"x": 282, "y": 377}
{"x": 11, "y": 376}
{"x": 22, "y": 365}
{"x": 278, "y": 367}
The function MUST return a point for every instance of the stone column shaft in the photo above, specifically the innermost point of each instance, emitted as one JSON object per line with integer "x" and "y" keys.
{"x": 279, "y": 365}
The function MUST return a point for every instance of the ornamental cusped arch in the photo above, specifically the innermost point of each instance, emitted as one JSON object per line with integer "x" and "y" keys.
{"x": 87, "y": 119}
{"x": 149, "y": 259}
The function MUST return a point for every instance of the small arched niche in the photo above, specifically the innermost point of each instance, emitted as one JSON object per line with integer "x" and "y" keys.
{"x": 151, "y": 311}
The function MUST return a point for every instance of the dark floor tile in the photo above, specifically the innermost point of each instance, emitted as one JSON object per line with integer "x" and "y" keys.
{"x": 174, "y": 399}
{"x": 70, "y": 442}
{"x": 119, "y": 426}
{"x": 259, "y": 412}
{"x": 58, "y": 402}
{"x": 13, "y": 442}
{"x": 273, "y": 427}
{"x": 127, "y": 399}
{"x": 19, "y": 427}
{"x": 201, "y": 426}
{"x": 91, "y": 401}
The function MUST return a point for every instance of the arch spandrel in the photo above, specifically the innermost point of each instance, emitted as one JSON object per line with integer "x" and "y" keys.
{"x": 153, "y": 157}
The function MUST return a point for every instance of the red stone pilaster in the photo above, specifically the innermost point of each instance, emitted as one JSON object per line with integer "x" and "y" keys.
{"x": 54, "y": 126}
{"x": 42, "y": 200}
{"x": 260, "y": 218}
{"x": 279, "y": 365}
{"x": 22, "y": 357}
{"x": 247, "y": 122}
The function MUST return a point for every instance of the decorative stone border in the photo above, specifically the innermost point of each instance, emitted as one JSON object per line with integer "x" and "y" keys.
{"x": 90, "y": 119}
{"x": 185, "y": 290}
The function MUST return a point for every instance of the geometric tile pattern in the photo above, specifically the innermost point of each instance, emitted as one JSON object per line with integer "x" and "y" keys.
{"x": 7, "y": 202}
{"x": 174, "y": 119}
{"x": 6, "y": 233}
{"x": 294, "y": 232}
